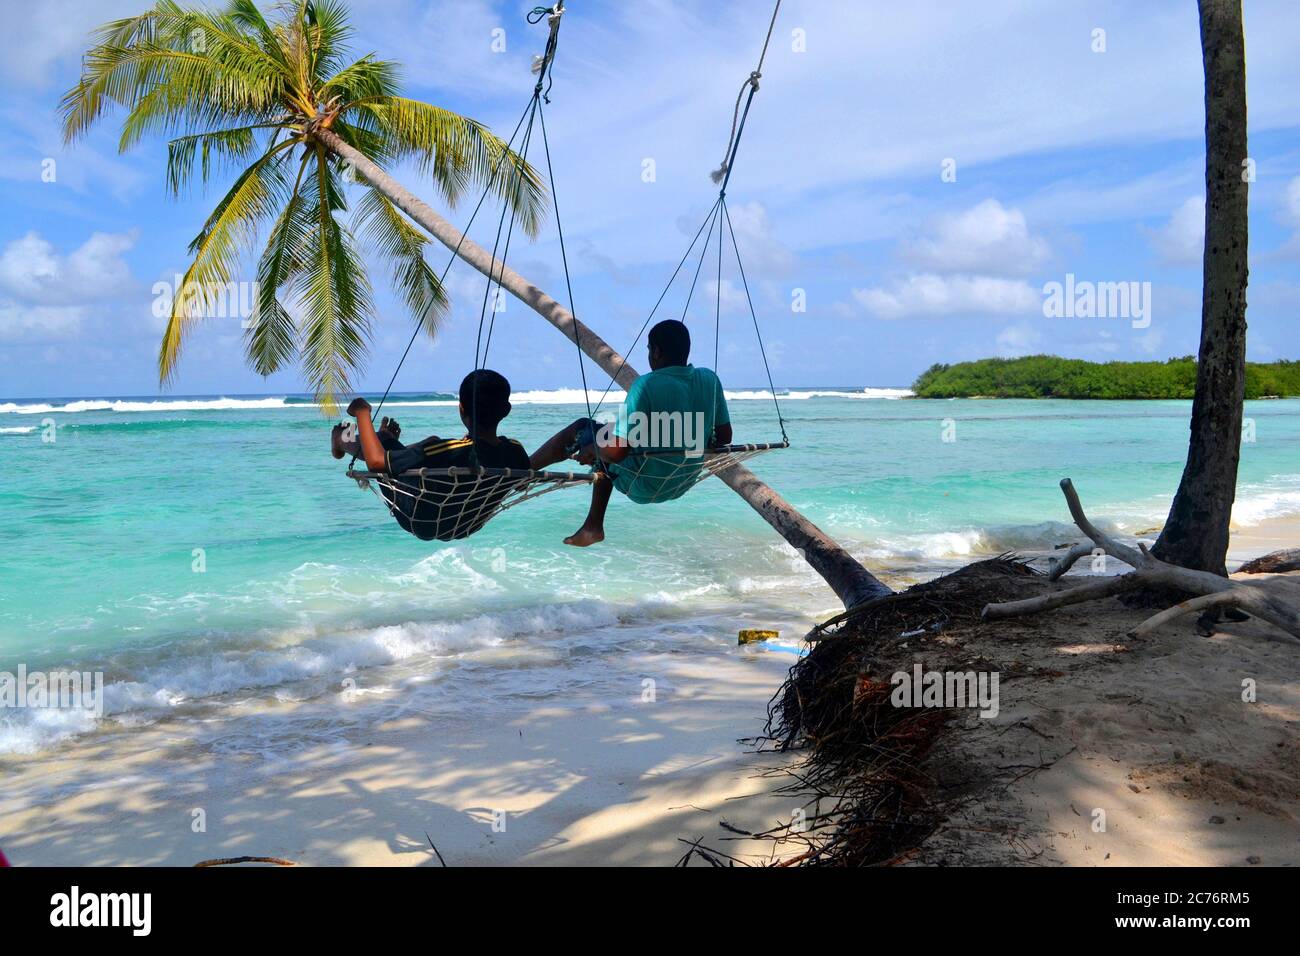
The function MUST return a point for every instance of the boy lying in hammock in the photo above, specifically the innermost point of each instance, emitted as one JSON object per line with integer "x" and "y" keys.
{"x": 674, "y": 407}
{"x": 439, "y": 508}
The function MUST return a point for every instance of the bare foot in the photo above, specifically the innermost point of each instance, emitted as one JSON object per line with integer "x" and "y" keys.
{"x": 584, "y": 537}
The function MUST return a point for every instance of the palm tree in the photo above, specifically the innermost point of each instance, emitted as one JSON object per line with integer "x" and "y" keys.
{"x": 1196, "y": 532}
{"x": 240, "y": 88}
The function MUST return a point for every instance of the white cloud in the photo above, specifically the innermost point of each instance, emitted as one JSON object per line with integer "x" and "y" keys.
{"x": 38, "y": 36}
{"x": 732, "y": 298}
{"x": 451, "y": 45}
{"x": 1290, "y": 216}
{"x": 32, "y": 271}
{"x": 1152, "y": 341}
{"x": 1181, "y": 240}
{"x": 21, "y": 323}
{"x": 987, "y": 238}
{"x": 936, "y": 295}
{"x": 1019, "y": 339}
{"x": 1291, "y": 203}
{"x": 45, "y": 293}
{"x": 631, "y": 87}
{"x": 760, "y": 251}
{"x": 970, "y": 265}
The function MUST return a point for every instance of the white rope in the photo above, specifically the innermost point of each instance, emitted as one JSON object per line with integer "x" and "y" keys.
{"x": 751, "y": 83}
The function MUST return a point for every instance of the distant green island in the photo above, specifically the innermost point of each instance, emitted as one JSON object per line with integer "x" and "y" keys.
{"x": 1047, "y": 376}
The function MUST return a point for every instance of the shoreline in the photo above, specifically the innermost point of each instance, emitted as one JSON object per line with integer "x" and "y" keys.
{"x": 577, "y": 781}
{"x": 572, "y": 782}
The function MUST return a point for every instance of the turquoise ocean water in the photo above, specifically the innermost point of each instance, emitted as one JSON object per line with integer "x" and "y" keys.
{"x": 209, "y": 556}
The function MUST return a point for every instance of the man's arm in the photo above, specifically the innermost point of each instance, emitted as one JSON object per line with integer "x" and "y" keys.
{"x": 376, "y": 457}
{"x": 611, "y": 444}
{"x": 615, "y": 451}
{"x": 721, "y": 416}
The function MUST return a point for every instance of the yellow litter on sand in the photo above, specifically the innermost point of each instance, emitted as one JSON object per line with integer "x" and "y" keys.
{"x": 752, "y": 636}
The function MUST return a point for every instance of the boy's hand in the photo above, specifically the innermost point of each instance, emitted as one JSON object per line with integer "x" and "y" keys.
{"x": 357, "y": 406}
{"x": 586, "y": 455}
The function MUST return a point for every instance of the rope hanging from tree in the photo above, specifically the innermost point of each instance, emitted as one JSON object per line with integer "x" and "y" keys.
{"x": 452, "y": 503}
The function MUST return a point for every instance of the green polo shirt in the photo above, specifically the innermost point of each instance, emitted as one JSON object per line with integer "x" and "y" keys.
{"x": 677, "y": 409}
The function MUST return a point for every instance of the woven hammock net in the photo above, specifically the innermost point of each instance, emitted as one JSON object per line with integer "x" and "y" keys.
{"x": 447, "y": 504}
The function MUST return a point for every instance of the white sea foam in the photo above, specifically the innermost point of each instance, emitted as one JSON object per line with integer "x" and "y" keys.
{"x": 565, "y": 396}
{"x": 1258, "y": 503}
{"x": 559, "y": 396}
{"x": 162, "y": 405}
{"x": 18, "y": 430}
{"x": 310, "y": 665}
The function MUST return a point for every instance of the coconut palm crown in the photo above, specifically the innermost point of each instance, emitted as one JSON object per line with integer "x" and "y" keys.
{"x": 237, "y": 90}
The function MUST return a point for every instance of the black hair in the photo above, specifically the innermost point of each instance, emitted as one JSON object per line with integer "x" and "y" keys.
{"x": 485, "y": 396}
{"x": 673, "y": 340}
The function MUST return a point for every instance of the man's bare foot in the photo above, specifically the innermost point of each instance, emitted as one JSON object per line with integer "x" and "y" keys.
{"x": 585, "y": 537}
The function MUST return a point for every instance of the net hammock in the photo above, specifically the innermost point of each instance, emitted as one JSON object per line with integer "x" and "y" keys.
{"x": 448, "y": 504}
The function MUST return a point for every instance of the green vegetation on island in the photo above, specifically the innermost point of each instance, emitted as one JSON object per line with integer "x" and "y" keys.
{"x": 1048, "y": 376}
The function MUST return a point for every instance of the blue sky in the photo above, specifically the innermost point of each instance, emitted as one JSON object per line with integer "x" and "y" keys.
{"x": 1068, "y": 160}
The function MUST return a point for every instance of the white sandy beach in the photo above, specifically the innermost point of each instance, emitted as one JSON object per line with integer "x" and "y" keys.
{"x": 1141, "y": 752}
{"x": 575, "y": 783}
{"x": 1151, "y": 732}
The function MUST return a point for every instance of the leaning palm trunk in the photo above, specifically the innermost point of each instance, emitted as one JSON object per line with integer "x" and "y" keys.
{"x": 850, "y": 581}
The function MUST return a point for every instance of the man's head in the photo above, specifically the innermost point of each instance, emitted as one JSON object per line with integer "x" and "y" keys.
{"x": 670, "y": 344}
{"x": 484, "y": 399}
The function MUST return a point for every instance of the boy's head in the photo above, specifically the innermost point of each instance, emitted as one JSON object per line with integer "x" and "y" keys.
{"x": 484, "y": 399}
{"x": 670, "y": 344}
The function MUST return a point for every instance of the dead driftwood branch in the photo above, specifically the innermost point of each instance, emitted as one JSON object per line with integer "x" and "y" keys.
{"x": 1208, "y": 590}
{"x": 1092, "y": 591}
{"x": 1229, "y": 598}
{"x": 1276, "y": 562}
{"x": 1058, "y": 566}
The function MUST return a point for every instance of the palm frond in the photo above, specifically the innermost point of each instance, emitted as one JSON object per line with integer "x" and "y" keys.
{"x": 270, "y": 341}
{"x": 171, "y": 68}
{"x": 384, "y": 229}
{"x": 363, "y": 79}
{"x": 335, "y": 297}
{"x": 245, "y": 15}
{"x": 327, "y": 34}
{"x": 457, "y": 152}
{"x": 217, "y": 250}
{"x": 216, "y": 151}
{"x": 234, "y": 88}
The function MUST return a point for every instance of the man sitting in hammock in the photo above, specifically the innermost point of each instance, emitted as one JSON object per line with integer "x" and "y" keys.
{"x": 439, "y": 508}
{"x": 675, "y": 411}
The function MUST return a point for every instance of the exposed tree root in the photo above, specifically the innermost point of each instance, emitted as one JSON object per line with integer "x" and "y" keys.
{"x": 866, "y": 794}
{"x": 1058, "y": 566}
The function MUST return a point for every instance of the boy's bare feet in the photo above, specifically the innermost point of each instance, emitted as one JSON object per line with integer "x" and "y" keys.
{"x": 585, "y": 537}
